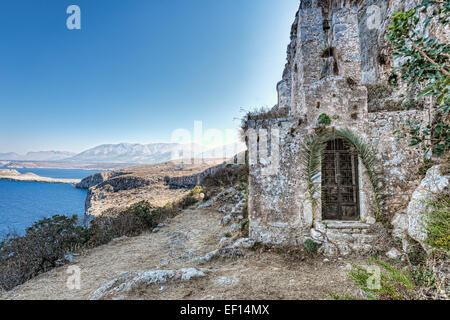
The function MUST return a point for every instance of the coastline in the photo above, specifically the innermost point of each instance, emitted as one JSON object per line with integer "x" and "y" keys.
{"x": 14, "y": 175}
{"x": 10, "y": 164}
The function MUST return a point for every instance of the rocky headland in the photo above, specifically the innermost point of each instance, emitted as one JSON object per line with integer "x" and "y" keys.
{"x": 158, "y": 184}
{"x": 14, "y": 175}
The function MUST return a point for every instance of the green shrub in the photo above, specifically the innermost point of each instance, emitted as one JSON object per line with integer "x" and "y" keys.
{"x": 130, "y": 222}
{"x": 106, "y": 227}
{"x": 311, "y": 246}
{"x": 196, "y": 191}
{"x": 144, "y": 210}
{"x": 41, "y": 248}
{"x": 191, "y": 198}
{"x": 437, "y": 224}
{"x": 423, "y": 276}
{"x": 324, "y": 119}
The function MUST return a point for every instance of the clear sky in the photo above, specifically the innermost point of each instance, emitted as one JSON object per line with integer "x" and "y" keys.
{"x": 137, "y": 70}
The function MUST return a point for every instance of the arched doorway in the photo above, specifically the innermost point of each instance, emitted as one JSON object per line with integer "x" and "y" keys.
{"x": 340, "y": 189}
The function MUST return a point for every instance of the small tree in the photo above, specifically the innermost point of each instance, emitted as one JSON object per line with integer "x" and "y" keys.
{"x": 424, "y": 61}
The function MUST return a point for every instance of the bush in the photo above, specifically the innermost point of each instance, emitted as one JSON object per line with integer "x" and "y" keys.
{"x": 311, "y": 246}
{"x": 324, "y": 119}
{"x": 227, "y": 177}
{"x": 194, "y": 196}
{"x": 130, "y": 222}
{"x": 437, "y": 224}
{"x": 107, "y": 227}
{"x": 39, "y": 250}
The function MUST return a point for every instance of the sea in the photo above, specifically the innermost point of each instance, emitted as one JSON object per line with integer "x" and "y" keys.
{"x": 23, "y": 203}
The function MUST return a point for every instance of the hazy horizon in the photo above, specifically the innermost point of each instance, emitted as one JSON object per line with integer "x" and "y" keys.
{"x": 205, "y": 147}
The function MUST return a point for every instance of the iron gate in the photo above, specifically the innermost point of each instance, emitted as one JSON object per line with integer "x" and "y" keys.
{"x": 340, "y": 190}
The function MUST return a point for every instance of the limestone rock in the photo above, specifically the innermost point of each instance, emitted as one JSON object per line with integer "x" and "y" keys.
{"x": 130, "y": 280}
{"x": 433, "y": 183}
{"x": 227, "y": 281}
{"x": 400, "y": 224}
{"x": 393, "y": 254}
{"x": 226, "y": 220}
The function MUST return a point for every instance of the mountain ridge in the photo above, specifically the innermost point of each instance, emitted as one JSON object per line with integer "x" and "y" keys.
{"x": 132, "y": 153}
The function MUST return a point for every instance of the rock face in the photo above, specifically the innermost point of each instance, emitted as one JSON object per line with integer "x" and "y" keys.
{"x": 112, "y": 190}
{"x": 192, "y": 180}
{"x": 96, "y": 179}
{"x": 338, "y": 64}
{"x": 411, "y": 223}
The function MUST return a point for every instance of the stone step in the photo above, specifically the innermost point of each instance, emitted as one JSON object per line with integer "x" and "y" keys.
{"x": 346, "y": 225}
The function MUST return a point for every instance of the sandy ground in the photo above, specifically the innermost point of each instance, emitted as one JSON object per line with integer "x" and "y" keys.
{"x": 260, "y": 274}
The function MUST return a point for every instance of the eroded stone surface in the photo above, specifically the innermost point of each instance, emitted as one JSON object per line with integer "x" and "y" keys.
{"x": 433, "y": 184}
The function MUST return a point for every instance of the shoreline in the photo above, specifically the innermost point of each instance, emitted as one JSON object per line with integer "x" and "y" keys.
{"x": 14, "y": 175}
{"x": 5, "y": 164}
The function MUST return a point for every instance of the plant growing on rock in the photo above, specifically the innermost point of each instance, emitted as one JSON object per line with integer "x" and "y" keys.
{"x": 324, "y": 119}
{"x": 437, "y": 224}
{"x": 426, "y": 61}
{"x": 381, "y": 281}
{"x": 311, "y": 246}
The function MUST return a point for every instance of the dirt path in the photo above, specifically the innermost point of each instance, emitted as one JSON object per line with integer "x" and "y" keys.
{"x": 258, "y": 275}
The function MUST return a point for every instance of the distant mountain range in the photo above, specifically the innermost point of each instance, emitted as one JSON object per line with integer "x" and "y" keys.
{"x": 130, "y": 153}
{"x": 37, "y": 156}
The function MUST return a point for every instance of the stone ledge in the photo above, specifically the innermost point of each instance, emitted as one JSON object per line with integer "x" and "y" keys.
{"x": 346, "y": 225}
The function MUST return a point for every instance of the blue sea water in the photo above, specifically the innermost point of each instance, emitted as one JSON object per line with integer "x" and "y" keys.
{"x": 23, "y": 203}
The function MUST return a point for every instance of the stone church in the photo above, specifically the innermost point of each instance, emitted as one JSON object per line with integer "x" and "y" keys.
{"x": 338, "y": 65}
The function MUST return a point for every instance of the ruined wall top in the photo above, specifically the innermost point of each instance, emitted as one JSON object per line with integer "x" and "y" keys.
{"x": 328, "y": 4}
{"x": 344, "y": 39}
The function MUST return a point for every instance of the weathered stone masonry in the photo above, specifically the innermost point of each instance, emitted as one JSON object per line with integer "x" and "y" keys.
{"x": 335, "y": 63}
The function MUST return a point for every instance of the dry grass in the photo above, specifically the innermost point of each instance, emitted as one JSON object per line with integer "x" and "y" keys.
{"x": 263, "y": 114}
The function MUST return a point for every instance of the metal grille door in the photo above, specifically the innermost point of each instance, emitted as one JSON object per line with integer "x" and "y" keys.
{"x": 340, "y": 198}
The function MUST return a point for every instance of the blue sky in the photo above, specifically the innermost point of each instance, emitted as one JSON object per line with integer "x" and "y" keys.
{"x": 137, "y": 70}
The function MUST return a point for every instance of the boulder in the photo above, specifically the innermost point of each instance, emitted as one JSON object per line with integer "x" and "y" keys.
{"x": 393, "y": 254}
{"x": 433, "y": 183}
